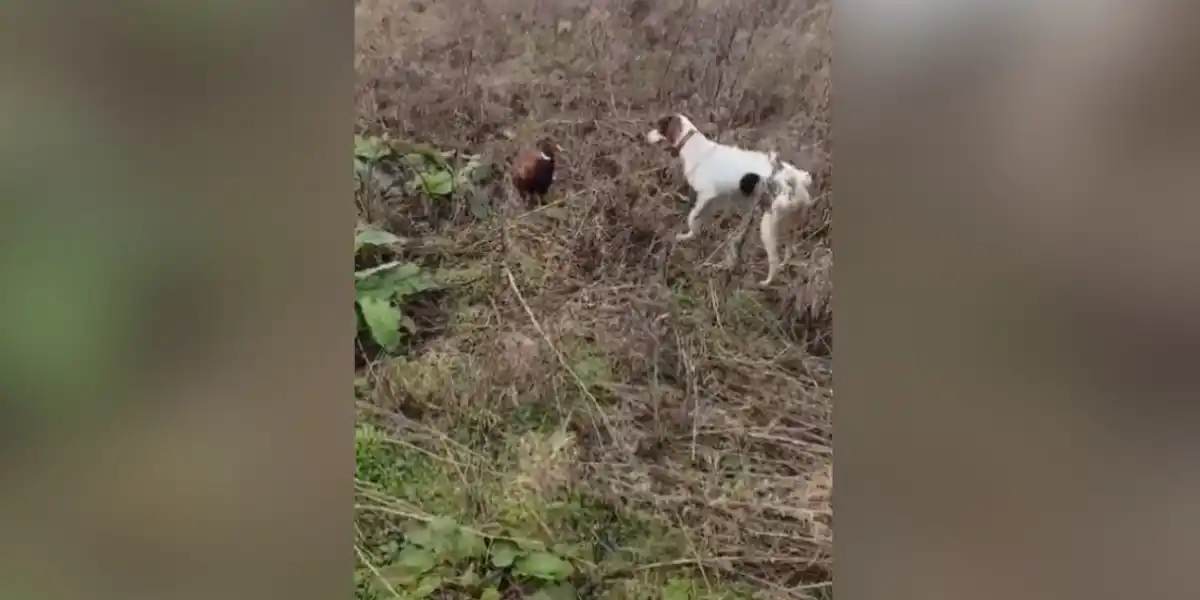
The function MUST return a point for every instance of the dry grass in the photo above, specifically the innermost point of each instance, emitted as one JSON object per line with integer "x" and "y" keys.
{"x": 593, "y": 361}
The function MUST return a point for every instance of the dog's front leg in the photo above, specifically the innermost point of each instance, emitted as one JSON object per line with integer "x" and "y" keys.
{"x": 696, "y": 218}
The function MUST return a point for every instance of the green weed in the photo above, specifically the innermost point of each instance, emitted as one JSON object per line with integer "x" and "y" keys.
{"x": 380, "y": 292}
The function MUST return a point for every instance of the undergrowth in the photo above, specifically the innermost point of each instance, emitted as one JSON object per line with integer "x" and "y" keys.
{"x": 557, "y": 401}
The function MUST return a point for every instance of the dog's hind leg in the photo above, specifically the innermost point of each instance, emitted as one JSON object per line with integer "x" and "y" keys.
{"x": 697, "y": 217}
{"x": 768, "y": 229}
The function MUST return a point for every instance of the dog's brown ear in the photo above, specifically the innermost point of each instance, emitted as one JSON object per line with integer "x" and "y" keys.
{"x": 674, "y": 129}
{"x": 664, "y": 124}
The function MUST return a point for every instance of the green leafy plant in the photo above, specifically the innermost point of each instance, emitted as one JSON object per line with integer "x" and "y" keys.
{"x": 380, "y": 292}
{"x": 435, "y": 175}
{"x": 435, "y": 554}
{"x": 678, "y": 589}
{"x": 368, "y": 153}
{"x": 441, "y": 553}
{"x": 431, "y": 171}
{"x": 542, "y": 565}
{"x": 369, "y": 149}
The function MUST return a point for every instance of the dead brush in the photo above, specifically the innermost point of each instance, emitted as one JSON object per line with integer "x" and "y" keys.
{"x": 710, "y": 410}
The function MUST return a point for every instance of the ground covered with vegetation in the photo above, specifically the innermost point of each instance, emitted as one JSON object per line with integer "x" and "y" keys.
{"x": 558, "y": 401}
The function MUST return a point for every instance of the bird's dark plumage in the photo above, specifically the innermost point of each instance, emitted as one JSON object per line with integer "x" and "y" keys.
{"x": 533, "y": 169}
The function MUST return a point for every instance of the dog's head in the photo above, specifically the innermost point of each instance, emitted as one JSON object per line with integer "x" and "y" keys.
{"x": 671, "y": 130}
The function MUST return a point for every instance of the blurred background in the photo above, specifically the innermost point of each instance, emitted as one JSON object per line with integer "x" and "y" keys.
{"x": 159, "y": 419}
{"x": 1016, "y": 306}
{"x": 1017, "y": 299}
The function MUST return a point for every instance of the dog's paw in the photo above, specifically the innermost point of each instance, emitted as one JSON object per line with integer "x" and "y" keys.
{"x": 683, "y": 237}
{"x": 765, "y": 283}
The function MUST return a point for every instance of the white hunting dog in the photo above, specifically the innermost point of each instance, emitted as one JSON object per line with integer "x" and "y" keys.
{"x": 716, "y": 171}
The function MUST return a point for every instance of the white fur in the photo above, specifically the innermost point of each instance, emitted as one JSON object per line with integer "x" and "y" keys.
{"x": 714, "y": 171}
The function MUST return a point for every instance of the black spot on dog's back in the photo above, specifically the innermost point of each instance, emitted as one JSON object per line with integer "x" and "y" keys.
{"x": 748, "y": 182}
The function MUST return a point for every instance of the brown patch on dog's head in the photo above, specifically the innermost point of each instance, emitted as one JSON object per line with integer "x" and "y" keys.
{"x": 671, "y": 127}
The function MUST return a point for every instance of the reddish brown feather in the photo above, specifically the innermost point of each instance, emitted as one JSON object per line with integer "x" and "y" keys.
{"x": 532, "y": 174}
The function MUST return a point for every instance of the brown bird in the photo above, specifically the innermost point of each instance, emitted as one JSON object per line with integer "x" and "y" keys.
{"x": 533, "y": 169}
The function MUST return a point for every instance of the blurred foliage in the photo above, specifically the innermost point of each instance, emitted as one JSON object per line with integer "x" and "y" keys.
{"x": 81, "y": 256}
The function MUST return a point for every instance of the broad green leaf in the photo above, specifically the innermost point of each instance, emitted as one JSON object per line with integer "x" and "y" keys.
{"x": 420, "y": 536}
{"x": 372, "y": 271}
{"x": 468, "y": 578}
{"x": 475, "y": 171}
{"x": 416, "y": 560}
{"x": 386, "y": 286}
{"x": 561, "y": 591}
{"x": 469, "y": 544}
{"x": 393, "y": 279}
{"x": 410, "y": 565}
{"x": 543, "y": 565}
{"x": 411, "y": 285}
{"x": 408, "y": 270}
{"x": 395, "y": 576}
{"x": 531, "y": 545}
{"x": 428, "y": 586}
{"x": 442, "y": 532}
{"x": 442, "y": 525}
{"x": 577, "y": 551}
{"x": 503, "y": 554}
{"x": 370, "y": 148}
{"x": 371, "y": 236}
{"x": 430, "y": 155}
{"x": 437, "y": 183}
{"x": 490, "y": 593}
{"x": 415, "y": 159}
{"x": 383, "y": 321}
